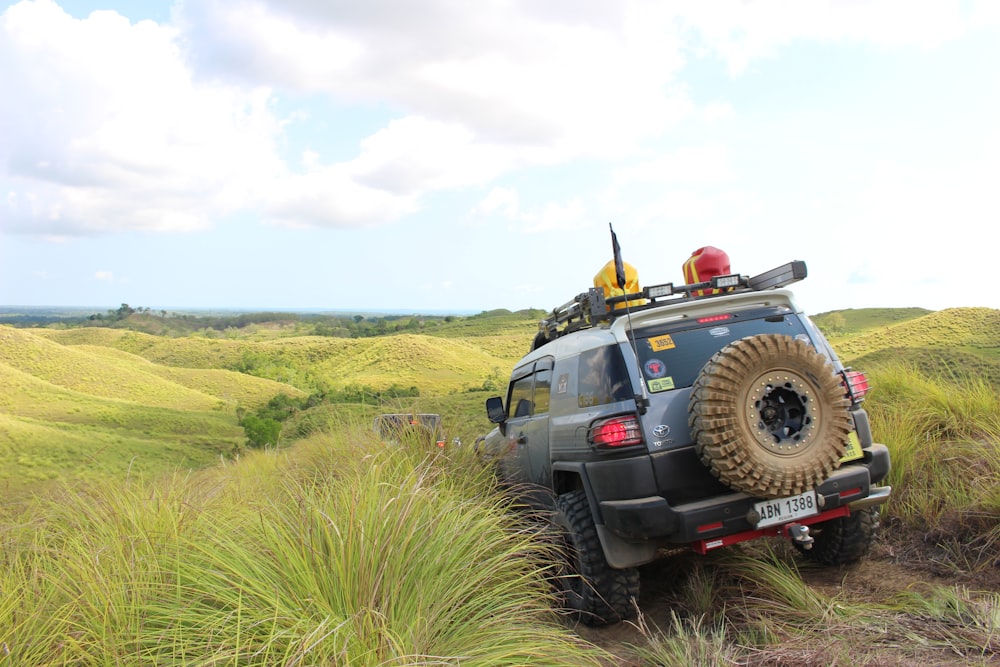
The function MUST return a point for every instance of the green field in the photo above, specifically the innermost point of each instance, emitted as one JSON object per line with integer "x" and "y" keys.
{"x": 85, "y": 407}
{"x": 98, "y": 400}
{"x": 139, "y": 529}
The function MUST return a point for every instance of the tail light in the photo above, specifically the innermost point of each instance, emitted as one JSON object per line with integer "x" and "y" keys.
{"x": 856, "y": 384}
{"x": 615, "y": 432}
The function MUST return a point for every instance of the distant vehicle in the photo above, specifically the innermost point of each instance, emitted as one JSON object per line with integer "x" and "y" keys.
{"x": 700, "y": 416}
{"x": 405, "y": 427}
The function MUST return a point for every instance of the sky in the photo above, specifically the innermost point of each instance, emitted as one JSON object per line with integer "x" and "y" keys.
{"x": 447, "y": 156}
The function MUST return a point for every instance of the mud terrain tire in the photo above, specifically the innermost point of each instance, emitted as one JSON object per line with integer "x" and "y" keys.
{"x": 842, "y": 540}
{"x": 769, "y": 416}
{"x": 589, "y": 588}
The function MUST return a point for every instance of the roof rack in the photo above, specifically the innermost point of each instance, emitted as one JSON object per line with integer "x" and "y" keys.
{"x": 590, "y": 308}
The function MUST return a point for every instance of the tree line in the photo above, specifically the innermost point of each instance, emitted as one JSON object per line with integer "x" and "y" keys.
{"x": 161, "y": 321}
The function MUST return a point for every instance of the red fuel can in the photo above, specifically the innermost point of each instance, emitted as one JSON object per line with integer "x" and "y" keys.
{"x": 704, "y": 264}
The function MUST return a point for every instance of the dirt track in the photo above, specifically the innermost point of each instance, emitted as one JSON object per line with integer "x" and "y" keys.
{"x": 877, "y": 580}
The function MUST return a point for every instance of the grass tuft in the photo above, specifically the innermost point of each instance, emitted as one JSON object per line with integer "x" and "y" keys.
{"x": 373, "y": 557}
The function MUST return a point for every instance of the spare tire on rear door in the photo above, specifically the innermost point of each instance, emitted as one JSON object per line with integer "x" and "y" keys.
{"x": 769, "y": 416}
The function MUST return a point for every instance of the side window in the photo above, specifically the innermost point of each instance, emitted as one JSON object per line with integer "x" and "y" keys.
{"x": 602, "y": 377}
{"x": 519, "y": 404}
{"x": 530, "y": 390}
{"x": 543, "y": 388}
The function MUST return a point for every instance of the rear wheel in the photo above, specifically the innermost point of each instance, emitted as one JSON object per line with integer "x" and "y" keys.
{"x": 842, "y": 540}
{"x": 591, "y": 589}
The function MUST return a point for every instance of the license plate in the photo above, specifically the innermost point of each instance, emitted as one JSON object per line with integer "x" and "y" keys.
{"x": 783, "y": 510}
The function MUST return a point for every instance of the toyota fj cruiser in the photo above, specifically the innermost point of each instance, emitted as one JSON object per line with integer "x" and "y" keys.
{"x": 701, "y": 416}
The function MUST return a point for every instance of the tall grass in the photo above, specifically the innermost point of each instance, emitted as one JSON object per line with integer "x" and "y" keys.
{"x": 332, "y": 553}
{"x": 944, "y": 436}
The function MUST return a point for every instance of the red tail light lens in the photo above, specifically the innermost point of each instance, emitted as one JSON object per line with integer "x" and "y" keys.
{"x": 616, "y": 432}
{"x": 856, "y": 384}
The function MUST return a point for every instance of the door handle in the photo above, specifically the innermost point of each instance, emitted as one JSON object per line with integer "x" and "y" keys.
{"x": 522, "y": 439}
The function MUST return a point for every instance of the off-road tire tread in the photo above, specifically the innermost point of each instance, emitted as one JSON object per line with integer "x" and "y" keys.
{"x": 843, "y": 540}
{"x": 604, "y": 595}
{"x": 722, "y": 433}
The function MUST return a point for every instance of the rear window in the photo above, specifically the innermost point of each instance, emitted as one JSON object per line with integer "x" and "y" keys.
{"x": 671, "y": 357}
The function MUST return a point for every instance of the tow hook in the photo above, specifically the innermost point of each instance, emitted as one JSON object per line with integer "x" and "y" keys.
{"x": 799, "y": 535}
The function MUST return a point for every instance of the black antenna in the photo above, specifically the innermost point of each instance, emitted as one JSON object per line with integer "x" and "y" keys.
{"x": 643, "y": 400}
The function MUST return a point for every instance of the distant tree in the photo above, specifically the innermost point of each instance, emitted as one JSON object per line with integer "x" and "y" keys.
{"x": 123, "y": 311}
{"x": 261, "y": 432}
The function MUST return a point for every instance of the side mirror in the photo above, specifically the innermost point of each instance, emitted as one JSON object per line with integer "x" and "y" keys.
{"x": 495, "y": 410}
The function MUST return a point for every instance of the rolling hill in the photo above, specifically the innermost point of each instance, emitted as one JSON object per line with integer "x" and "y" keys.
{"x": 131, "y": 400}
{"x": 961, "y": 342}
{"x": 71, "y": 411}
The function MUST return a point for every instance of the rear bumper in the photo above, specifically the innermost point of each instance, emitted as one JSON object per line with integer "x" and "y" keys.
{"x": 652, "y": 517}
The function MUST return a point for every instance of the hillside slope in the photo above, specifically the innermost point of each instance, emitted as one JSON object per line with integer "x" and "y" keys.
{"x": 186, "y": 352}
{"x": 856, "y": 320}
{"x": 451, "y": 361}
{"x": 69, "y": 411}
{"x": 955, "y": 341}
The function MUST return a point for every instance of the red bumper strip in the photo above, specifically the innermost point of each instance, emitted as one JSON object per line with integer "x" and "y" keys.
{"x": 704, "y": 546}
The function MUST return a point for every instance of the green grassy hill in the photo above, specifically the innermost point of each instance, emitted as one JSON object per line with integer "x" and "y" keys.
{"x": 71, "y": 392}
{"x": 453, "y": 358}
{"x": 959, "y": 342}
{"x": 75, "y": 411}
{"x": 187, "y": 352}
{"x": 856, "y": 320}
{"x": 96, "y": 400}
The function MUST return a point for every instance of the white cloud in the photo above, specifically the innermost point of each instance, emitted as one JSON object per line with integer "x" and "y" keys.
{"x": 415, "y": 154}
{"x": 331, "y": 196}
{"x": 396, "y": 166}
{"x": 741, "y": 31}
{"x": 105, "y": 276}
{"x": 706, "y": 164}
{"x": 555, "y": 84}
{"x": 556, "y": 217}
{"x": 110, "y": 132}
{"x": 123, "y": 126}
{"x": 502, "y": 200}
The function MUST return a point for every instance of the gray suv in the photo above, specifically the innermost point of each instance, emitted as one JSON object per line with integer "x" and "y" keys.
{"x": 701, "y": 416}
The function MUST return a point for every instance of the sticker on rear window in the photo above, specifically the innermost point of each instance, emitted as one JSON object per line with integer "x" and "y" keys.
{"x": 659, "y": 343}
{"x": 655, "y": 368}
{"x": 661, "y": 384}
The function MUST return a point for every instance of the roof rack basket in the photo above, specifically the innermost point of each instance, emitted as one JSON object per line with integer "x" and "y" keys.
{"x": 589, "y": 308}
